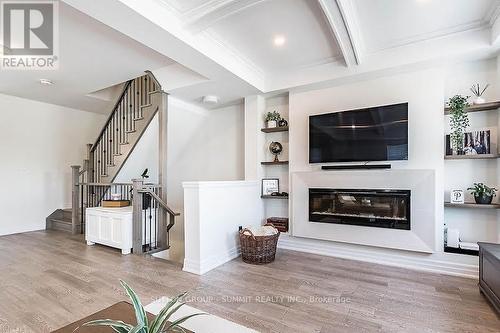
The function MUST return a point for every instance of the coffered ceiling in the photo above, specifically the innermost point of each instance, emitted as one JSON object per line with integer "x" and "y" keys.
{"x": 245, "y": 47}
{"x": 388, "y": 24}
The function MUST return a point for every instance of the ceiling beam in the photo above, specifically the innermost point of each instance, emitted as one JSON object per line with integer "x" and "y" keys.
{"x": 202, "y": 17}
{"x": 340, "y": 17}
{"x": 494, "y": 22}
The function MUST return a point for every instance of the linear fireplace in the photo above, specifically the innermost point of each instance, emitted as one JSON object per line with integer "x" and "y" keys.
{"x": 372, "y": 208}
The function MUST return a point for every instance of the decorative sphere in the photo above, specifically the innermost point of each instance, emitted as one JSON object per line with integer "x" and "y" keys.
{"x": 275, "y": 148}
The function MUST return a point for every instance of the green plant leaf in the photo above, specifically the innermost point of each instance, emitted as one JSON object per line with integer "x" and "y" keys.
{"x": 181, "y": 320}
{"x": 117, "y": 325}
{"x": 160, "y": 319}
{"x": 138, "y": 328}
{"x": 170, "y": 313}
{"x": 140, "y": 313}
{"x": 120, "y": 329}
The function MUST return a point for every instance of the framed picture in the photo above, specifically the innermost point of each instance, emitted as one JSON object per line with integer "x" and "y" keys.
{"x": 457, "y": 197}
{"x": 476, "y": 142}
{"x": 270, "y": 186}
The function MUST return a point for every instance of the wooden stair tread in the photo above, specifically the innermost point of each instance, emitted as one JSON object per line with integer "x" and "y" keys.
{"x": 61, "y": 220}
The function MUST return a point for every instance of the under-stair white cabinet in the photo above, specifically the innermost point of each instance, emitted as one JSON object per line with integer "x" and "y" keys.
{"x": 113, "y": 227}
{"x": 109, "y": 226}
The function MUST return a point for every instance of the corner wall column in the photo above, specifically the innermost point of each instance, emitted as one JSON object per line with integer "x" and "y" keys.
{"x": 255, "y": 107}
{"x": 162, "y": 167}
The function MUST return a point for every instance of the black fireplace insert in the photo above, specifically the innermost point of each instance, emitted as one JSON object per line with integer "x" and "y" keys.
{"x": 371, "y": 208}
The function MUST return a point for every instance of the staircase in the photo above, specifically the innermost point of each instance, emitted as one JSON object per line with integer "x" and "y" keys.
{"x": 134, "y": 110}
{"x": 131, "y": 115}
{"x": 60, "y": 220}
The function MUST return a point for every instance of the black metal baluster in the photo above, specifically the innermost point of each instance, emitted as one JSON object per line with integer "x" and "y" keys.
{"x": 144, "y": 221}
{"x": 141, "y": 96}
{"x": 82, "y": 210}
{"x": 105, "y": 151}
{"x": 156, "y": 220}
{"x": 99, "y": 162}
{"x": 150, "y": 225}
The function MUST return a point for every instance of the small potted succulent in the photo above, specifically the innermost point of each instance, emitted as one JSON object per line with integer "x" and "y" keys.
{"x": 483, "y": 194}
{"x": 478, "y": 92}
{"x": 272, "y": 119}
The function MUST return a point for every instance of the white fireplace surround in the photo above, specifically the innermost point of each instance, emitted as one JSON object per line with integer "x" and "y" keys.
{"x": 421, "y": 237}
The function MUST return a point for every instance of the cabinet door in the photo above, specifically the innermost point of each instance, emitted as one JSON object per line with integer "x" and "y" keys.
{"x": 491, "y": 274}
{"x": 110, "y": 230}
{"x": 92, "y": 228}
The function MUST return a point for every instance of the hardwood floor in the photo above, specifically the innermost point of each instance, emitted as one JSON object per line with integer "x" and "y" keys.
{"x": 48, "y": 279}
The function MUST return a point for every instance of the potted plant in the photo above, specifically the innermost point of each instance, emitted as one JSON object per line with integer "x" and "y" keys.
{"x": 272, "y": 119}
{"x": 478, "y": 92}
{"x": 459, "y": 121}
{"x": 483, "y": 194}
{"x": 160, "y": 324}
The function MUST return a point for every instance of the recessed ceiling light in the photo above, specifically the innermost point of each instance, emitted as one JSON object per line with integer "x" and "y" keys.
{"x": 279, "y": 40}
{"x": 210, "y": 99}
{"x": 46, "y": 82}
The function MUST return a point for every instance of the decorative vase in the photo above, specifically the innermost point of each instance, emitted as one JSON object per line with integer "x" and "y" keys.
{"x": 483, "y": 199}
{"x": 479, "y": 100}
{"x": 272, "y": 124}
{"x": 282, "y": 122}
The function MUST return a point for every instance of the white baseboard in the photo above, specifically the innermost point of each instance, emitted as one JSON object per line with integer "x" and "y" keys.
{"x": 200, "y": 267}
{"x": 443, "y": 263}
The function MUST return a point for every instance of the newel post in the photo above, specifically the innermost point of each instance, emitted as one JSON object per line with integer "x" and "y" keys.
{"x": 137, "y": 215}
{"x": 75, "y": 198}
{"x": 90, "y": 169}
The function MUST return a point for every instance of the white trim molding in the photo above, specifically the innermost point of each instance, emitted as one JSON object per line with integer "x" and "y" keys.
{"x": 205, "y": 15}
{"x": 200, "y": 267}
{"x": 450, "y": 264}
{"x": 340, "y": 31}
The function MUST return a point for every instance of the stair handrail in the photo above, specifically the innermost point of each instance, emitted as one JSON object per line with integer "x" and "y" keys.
{"x": 115, "y": 108}
{"x": 153, "y": 77}
{"x": 118, "y": 101}
{"x": 160, "y": 201}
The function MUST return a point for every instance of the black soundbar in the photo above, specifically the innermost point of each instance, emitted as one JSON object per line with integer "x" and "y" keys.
{"x": 356, "y": 167}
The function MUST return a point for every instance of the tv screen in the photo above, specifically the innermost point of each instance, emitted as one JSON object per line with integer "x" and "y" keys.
{"x": 373, "y": 134}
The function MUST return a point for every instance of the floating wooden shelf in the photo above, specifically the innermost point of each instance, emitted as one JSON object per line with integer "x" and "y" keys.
{"x": 275, "y": 129}
{"x": 274, "y": 197}
{"x": 275, "y": 163}
{"x": 461, "y": 251}
{"x": 472, "y": 205}
{"x": 479, "y": 107}
{"x": 471, "y": 157}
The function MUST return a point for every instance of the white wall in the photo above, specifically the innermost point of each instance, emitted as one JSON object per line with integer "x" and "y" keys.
{"x": 38, "y": 144}
{"x": 423, "y": 90}
{"x": 203, "y": 145}
{"x": 213, "y": 213}
{"x": 144, "y": 156}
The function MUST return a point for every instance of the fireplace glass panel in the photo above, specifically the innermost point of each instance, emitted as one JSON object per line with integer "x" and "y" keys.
{"x": 374, "y": 208}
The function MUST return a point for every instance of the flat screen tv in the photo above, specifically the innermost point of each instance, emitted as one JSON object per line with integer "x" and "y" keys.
{"x": 372, "y": 134}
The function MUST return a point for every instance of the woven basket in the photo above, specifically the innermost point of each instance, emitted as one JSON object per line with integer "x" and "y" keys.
{"x": 258, "y": 250}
